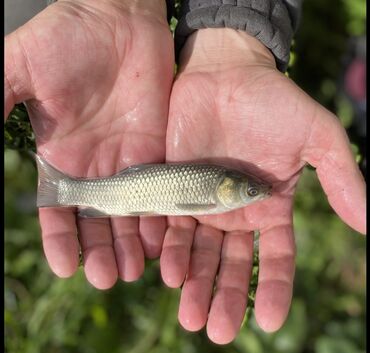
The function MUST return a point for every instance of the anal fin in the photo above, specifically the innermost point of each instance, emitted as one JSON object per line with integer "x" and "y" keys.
{"x": 142, "y": 213}
{"x": 90, "y": 212}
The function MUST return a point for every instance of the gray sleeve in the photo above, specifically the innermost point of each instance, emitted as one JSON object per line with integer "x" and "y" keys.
{"x": 273, "y": 22}
{"x": 18, "y": 12}
{"x": 294, "y": 8}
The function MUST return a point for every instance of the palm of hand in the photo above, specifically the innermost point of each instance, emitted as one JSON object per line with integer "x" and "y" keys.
{"x": 99, "y": 87}
{"x": 96, "y": 89}
{"x": 248, "y": 120}
{"x": 255, "y": 119}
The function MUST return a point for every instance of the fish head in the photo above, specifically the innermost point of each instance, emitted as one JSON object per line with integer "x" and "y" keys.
{"x": 253, "y": 189}
{"x": 237, "y": 190}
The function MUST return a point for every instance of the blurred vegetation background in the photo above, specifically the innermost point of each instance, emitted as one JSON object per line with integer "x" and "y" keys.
{"x": 46, "y": 314}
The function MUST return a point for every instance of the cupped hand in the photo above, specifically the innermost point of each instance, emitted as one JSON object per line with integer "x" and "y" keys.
{"x": 96, "y": 77}
{"x": 230, "y": 105}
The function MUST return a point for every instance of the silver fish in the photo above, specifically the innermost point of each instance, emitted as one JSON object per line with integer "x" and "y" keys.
{"x": 151, "y": 189}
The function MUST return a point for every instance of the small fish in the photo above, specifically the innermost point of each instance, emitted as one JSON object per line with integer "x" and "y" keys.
{"x": 151, "y": 189}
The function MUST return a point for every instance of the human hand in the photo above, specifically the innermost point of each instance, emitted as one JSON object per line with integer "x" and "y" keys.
{"x": 96, "y": 77}
{"x": 229, "y": 104}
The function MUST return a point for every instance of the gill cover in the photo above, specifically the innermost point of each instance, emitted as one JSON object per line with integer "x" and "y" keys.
{"x": 228, "y": 191}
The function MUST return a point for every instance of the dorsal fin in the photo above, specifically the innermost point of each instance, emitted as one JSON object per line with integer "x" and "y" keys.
{"x": 135, "y": 168}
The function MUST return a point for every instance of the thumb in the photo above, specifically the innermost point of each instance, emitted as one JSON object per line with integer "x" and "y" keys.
{"x": 17, "y": 73}
{"x": 328, "y": 149}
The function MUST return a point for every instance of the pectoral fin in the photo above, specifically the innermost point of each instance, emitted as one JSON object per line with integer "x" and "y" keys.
{"x": 142, "y": 213}
{"x": 190, "y": 207}
{"x": 90, "y": 212}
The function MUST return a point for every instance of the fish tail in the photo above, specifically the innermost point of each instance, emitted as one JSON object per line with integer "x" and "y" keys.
{"x": 48, "y": 184}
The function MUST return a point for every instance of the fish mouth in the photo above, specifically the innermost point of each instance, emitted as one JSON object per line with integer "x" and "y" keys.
{"x": 267, "y": 191}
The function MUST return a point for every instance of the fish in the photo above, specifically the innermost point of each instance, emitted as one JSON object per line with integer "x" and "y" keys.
{"x": 167, "y": 189}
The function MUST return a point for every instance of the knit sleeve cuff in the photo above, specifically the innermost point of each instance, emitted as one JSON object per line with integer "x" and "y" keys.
{"x": 267, "y": 20}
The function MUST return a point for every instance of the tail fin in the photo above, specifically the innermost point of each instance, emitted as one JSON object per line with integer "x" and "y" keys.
{"x": 48, "y": 185}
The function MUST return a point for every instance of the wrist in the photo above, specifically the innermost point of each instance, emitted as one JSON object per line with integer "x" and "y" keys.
{"x": 212, "y": 49}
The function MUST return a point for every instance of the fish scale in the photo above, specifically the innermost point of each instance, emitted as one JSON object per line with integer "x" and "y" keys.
{"x": 157, "y": 188}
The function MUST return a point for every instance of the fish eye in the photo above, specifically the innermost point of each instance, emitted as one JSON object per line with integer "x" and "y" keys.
{"x": 252, "y": 191}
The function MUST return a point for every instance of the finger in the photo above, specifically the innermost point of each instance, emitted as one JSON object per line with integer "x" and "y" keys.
{"x": 59, "y": 238}
{"x": 328, "y": 149}
{"x": 17, "y": 79}
{"x": 174, "y": 261}
{"x": 152, "y": 230}
{"x": 128, "y": 248}
{"x": 97, "y": 251}
{"x": 275, "y": 278}
{"x": 230, "y": 300}
{"x": 198, "y": 287}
